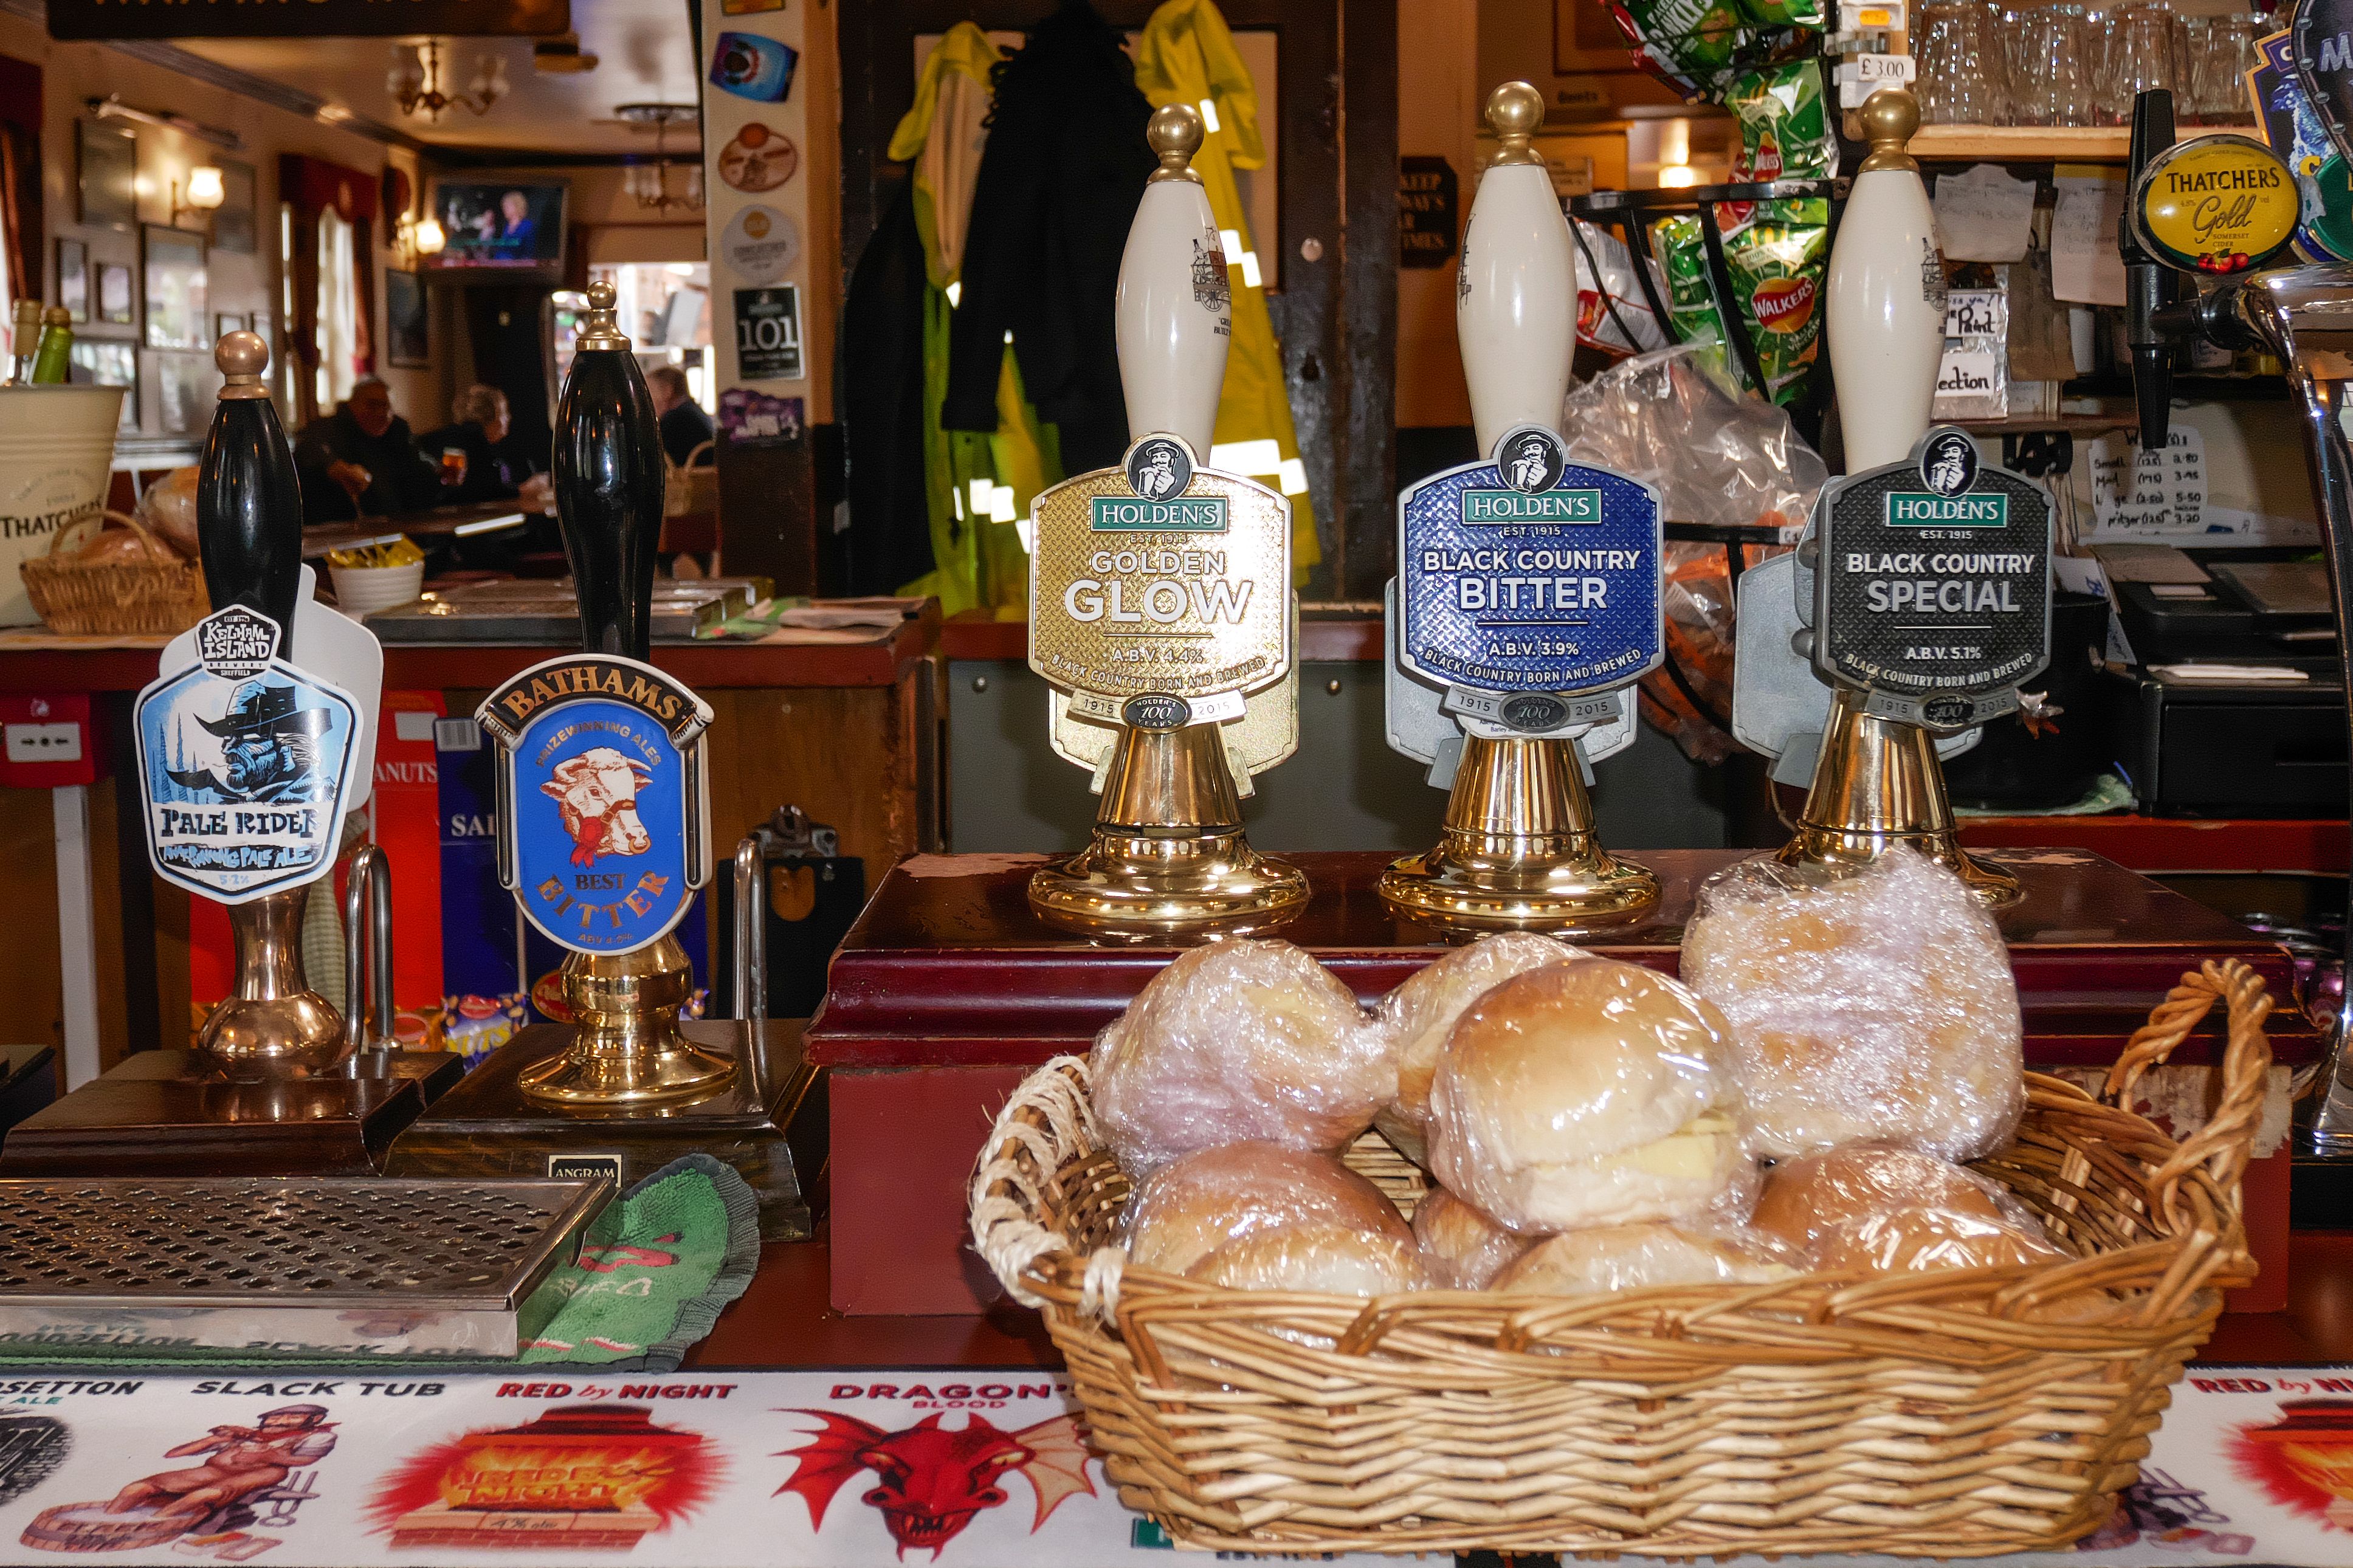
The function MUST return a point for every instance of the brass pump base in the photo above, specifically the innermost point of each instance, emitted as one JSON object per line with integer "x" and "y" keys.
{"x": 272, "y": 1025}
{"x": 1518, "y": 851}
{"x": 1168, "y": 856}
{"x": 1878, "y": 783}
{"x": 627, "y": 1048}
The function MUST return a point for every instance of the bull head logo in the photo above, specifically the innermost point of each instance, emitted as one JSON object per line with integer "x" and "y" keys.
{"x": 931, "y": 1482}
{"x": 597, "y": 793}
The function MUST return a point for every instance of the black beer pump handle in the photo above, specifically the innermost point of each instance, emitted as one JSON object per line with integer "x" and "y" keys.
{"x": 608, "y": 482}
{"x": 248, "y": 501}
{"x": 2150, "y": 289}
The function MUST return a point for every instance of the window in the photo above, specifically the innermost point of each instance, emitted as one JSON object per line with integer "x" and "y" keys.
{"x": 339, "y": 310}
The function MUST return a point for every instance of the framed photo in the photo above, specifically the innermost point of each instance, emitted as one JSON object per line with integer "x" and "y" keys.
{"x": 233, "y": 220}
{"x": 186, "y": 387}
{"x": 114, "y": 306}
{"x": 178, "y": 316}
{"x": 73, "y": 278}
{"x": 98, "y": 363}
{"x": 225, "y": 323}
{"x": 110, "y": 175}
{"x": 407, "y": 338}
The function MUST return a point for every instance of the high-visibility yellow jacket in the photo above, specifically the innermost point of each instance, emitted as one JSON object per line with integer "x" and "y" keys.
{"x": 1186, "y": 55}
{"x": 976, "y": 482}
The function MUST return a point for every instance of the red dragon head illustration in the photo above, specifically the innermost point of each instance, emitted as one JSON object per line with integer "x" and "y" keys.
{"x": 932, "y": 1481}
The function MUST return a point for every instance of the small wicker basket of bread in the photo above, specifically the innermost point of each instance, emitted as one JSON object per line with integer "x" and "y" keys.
{"x": 1552, "y": 1253}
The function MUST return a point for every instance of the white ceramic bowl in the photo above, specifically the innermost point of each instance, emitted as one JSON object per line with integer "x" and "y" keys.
{"x": 362, "y": 591}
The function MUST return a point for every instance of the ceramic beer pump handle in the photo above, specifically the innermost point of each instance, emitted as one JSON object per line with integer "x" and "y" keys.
{"x": 1167, "y": 853}
{"x": 607, "y": 483}
{"x": 1518, "y": 850}
{"x": 1172, "y": 365}
{"x": 248, "y": 501}
{"x": 1515, "y": 303}
{"x": 1886, "y": 312}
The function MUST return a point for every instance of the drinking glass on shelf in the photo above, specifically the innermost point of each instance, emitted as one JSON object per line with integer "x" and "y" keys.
{"x": 2138, "y": 58}
{"x": 1962, "y": 79}
{"x": 2049, "y": 71}
{"x": 2222, "y": 54}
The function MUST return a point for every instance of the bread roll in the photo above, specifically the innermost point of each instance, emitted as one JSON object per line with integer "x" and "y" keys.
{"x": 1415, "y": 1018}
{"x": 1339, "y": 1259}
{"x": 1585, "y": 1094}
{"x": 1917, "y": 1239}
{"x": 1803, "y": 1198}
{"x": 1461, "y": 1246}
{"x": 1632, "y": 1257}
{"x": 1876, "y": 1004}
{"x": 1190, "y": 1207}
{"x": 1237, "y": 1041}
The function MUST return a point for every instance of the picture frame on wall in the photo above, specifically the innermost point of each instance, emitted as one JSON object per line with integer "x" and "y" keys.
{"x": 186, "y": 387}
{"x": 407, "y": 332}
{"x": 73, "y": 278}
{"x": 115, "y": 307}
{"x": 100, "y": 362}
{"x": 226, "y": 321}
{"x": 108, "y": 174}
{"x": 234, "y": 228}
{"x": 177, "y": 292}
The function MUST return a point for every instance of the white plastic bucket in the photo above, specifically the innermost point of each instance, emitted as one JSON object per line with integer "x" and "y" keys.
{"x": 361, "y": 591}
{"x": 56, "y": 452}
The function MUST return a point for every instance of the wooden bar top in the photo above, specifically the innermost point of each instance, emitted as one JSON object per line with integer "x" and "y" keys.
{"x": 947, "y": 966}
{"x": 34, "y": 660}
{"x": 784, "y": 1320}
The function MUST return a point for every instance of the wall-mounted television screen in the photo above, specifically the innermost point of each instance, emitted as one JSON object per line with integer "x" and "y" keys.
{"x": 500, "y": 228}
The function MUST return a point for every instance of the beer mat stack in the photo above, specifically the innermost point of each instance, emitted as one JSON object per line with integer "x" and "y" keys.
{"x": 688, "y": 1243}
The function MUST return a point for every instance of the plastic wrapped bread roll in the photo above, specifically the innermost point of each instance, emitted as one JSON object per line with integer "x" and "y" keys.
{"x": 1804, "y": 1198}
{"x": 1908, "y": 1240}
{"x": 1878, "y": 1005}
{"x": 1462, "y": 1248}
{"x": 1587, "y": 1094}
{"x": 1235, "y": 1042}
{"x": 1188, "y": 1208}
{"x": 1634, "y": 1256}
{"x": 1416, "y": 1017}
{"x": 1338, "y": 1259}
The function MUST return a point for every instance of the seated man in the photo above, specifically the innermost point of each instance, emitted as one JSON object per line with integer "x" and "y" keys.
{"x": 361, "y": 461}
{"x": 472, "y": 453}
{"x": 684, "y": 424}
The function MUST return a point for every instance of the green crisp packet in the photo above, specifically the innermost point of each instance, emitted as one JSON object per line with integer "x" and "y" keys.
{"x": 1780, "y": 264}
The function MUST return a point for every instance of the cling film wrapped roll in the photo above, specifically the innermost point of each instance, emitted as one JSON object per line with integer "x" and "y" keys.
{"x": 1189, "y": 1208}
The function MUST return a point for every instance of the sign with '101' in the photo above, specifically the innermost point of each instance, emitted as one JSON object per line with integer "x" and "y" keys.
{"x": 1529, "y": 574}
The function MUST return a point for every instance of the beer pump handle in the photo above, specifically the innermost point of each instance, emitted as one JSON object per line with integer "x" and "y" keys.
{"x": 1175, "y": 311}
{"x": 1515, "y": 298}
{"x": 2149, "y": 286}
{"x": 1886, "y": 307}
{"x": 248, "y": 500}
{"x": 607, "y": 483}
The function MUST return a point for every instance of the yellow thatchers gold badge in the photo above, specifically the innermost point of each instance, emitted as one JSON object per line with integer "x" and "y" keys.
{"x": 2215, "y": 204}
{"x": 1160, "y": 577}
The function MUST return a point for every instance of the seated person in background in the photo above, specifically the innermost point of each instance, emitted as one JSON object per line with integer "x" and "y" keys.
{"x": 684, "y": 424}
{"x": 361, "y": 461}
{"x": 472, "y": 455}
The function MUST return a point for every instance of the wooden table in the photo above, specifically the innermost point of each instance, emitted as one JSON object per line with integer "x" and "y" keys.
{"x": 844, "y": 723}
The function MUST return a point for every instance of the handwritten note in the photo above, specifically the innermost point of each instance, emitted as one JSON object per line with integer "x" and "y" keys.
{"x": 2139, "y": 494}
{"x": 2085, "y": 268}
{"x": 1983, "y": 215}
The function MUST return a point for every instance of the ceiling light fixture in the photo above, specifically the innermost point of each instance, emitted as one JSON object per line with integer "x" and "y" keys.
{"x": 414, "y": 81}
{"x": 649, "y": 184}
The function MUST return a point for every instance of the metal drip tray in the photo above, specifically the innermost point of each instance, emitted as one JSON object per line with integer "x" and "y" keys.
{"x": 307, "y": 1267}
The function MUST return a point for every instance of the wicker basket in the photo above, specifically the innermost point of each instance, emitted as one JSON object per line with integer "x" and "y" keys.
{"x": 1919, "y": 1415}
{"x": 115, "y": 598}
